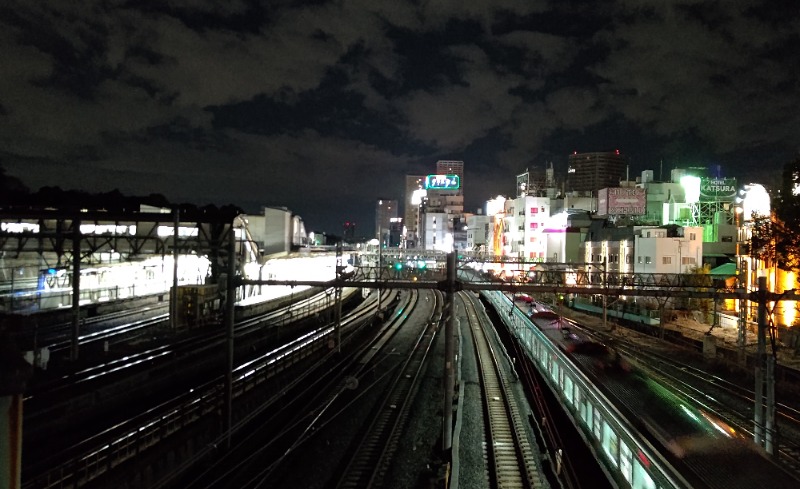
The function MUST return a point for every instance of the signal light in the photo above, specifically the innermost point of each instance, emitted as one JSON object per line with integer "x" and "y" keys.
{"x": 398, "y": 266}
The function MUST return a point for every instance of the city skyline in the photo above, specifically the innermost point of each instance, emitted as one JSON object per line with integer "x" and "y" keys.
{"x": 324, "y": 108}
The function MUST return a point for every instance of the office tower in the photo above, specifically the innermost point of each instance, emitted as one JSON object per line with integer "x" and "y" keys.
{"x": 589, "y": 172}
{"x": 447, "y": 167}
{"x": 385, "y": 210}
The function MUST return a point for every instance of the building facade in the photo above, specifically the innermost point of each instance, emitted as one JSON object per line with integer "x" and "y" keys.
{"x": 385, "y": 211}
{"x": 589, "y": 172}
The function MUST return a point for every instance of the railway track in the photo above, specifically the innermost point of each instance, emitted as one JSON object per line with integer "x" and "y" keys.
{"x": 373, "y": 455}
{"x": 512, "y": 460}
{"x": 112, "y": 445}
{"x": 58, "y": 336}
{"x": 309, "y": 406}
{"x": 727, "y": 400}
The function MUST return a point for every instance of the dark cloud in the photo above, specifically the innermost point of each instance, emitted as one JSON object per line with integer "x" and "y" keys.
{"x": 324, "y": 106}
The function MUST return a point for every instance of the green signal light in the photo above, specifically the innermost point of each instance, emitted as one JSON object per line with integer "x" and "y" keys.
{"x": 398, "y": 266}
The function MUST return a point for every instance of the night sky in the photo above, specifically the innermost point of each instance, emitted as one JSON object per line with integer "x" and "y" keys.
{"x": 323, "y": 107}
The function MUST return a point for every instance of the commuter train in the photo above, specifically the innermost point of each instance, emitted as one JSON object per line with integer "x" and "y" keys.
{"x": 644, "y": 435}
{"x": 563, "y": 333}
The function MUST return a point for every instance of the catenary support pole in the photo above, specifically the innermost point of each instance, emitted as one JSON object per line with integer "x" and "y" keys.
{"x": 758, "y": 417}
{"x": 76, "y": 289}
{"x": 230, "y": 299}
{"x": 770, "y": 441}
{"x": 173, "y": 296}
{"x": 449, "y": 354}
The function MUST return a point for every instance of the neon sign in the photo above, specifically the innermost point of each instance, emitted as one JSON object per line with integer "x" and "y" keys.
{"x": 442, "y": 182}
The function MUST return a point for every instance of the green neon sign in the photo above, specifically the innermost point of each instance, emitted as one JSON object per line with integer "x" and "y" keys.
{"x": 442, "y": 182}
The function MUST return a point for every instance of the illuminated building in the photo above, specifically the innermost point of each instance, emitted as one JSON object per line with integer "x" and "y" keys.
{"x": 444, "y": 200}
{"x": 411, "y": 214}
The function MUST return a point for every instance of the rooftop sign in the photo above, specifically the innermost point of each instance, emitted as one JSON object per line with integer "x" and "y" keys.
{"x": 717, "y": 189}
{"x": 442, "y": 182}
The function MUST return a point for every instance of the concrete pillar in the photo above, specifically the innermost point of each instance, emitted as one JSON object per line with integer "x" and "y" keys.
{"x": 709, "y": 347}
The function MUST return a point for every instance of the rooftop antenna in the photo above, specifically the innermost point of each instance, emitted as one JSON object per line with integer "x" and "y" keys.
{"x": 661, "y": 171}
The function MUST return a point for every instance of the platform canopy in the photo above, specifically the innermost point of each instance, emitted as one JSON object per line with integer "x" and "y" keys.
{"x": 724, "y": 270}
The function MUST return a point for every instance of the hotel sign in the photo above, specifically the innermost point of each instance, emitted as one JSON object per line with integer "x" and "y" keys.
{"x": 717, "y": 189}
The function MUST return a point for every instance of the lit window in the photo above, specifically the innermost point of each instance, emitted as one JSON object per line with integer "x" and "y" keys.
{"x": 534, "y": 225}
{"x": 534, "y": 210}
{"x": 666, "y": 260}
{"x": 638, "y": 259}
{"x": 647, "y": 260}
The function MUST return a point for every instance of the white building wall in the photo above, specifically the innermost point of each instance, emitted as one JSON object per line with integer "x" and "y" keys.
{"x": 478, "y": 232}
{"x": 438, "y": 231}
{"x": 537, "y": 211}
{"x": 273, "y": 230}
{"x": 657, "y": 253}
{"x": 580, "y": 203}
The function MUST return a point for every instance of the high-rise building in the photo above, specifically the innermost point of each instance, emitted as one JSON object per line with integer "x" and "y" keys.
{"x": 385, "y": 211}
{"x": 447, "y": 167}
{"x": 443, "y": 206}
{"x": 589, "y": 172}
{"x": 414, "y": 183}
{"x": 448, "y": 200}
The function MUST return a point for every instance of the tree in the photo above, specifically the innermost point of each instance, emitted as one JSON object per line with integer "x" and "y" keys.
{"x": 11, "y": 187}
{"x": 785, "y": 220}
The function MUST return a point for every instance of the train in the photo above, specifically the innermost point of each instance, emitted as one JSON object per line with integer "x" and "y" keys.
{"x": 642, "y": 432}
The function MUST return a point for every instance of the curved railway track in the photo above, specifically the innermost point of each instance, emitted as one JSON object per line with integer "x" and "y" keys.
{"x": 727, "y": 400}
{"x": 319, "y": 400}
{"x": 373, "y": 455}
{"x": 99, "y": 453}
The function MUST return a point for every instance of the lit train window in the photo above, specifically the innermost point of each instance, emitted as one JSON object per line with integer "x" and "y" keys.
{"x": 598, "y": 422}
{"x": 625, "y": 461}
{"x": 554, "y": 371}
{"x": 568, "y": 389}
{"x": 610, "y": 444}
{"x": 586, "y": 413}
{"x": 641, "y": 479}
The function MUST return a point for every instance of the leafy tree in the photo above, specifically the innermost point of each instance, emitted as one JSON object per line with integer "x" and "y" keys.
{"x": 778, "y": 236}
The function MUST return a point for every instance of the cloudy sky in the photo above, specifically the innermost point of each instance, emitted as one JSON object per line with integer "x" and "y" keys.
{"x": 323, "y": 107}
